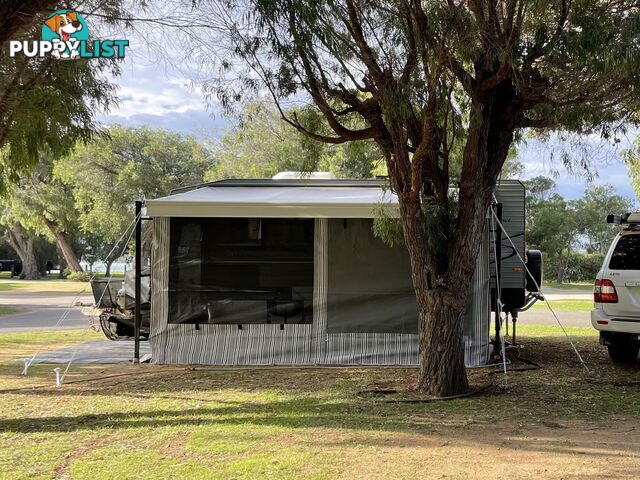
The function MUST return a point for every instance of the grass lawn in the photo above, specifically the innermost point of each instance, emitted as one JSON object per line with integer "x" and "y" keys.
{"x": 153, "y": 421}
{"x": 586, "y": 286}
{"x": 48, "y": 285}
{"x": 113, "y": 275}
{"x": 10, "y": 310}
{"x": 566, "y": 305}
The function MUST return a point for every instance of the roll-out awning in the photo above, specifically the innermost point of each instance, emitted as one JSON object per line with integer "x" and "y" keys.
{"x": 277, "y": 199}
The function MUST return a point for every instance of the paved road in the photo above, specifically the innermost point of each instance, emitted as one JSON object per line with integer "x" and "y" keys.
{"x": 42, "y": 311}
{"x": 569, "y": 319}
{"x": 570, "y": 293}
{"x": 544, "y": 317}
{"x": 42, "y": 299}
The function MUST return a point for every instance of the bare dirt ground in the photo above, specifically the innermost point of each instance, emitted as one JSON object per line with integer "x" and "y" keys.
{"x": 507, "y": 450}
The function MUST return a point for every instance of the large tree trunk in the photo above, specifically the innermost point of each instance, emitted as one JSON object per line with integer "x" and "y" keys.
{"x": 442, "y": 278}
{"x": 64, "y": 244}
{"x": 108, "y": 263}
{"x": 442, "y": 368}
{"x": 23, "y": 246}
{"x": 70, "y": 257}
{"x": 440, "y": 314}
{"x": 560, "y": 272}
{"x": 61, "y": 262}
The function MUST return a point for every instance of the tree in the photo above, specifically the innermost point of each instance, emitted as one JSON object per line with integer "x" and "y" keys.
{"x": 22, "y": 244}
{"x": 261, "y": 145}
{"x": 539, "y": 188}
{"x": 47, "y": 105}
{"x": 634, "y": 174}
{"x": 423, "y": 77}
{"x": 33, "y": 250}
{"x": 512, "y": 168}
{"x": 106, "y": 177}
{"x": 561, "y": 228}
{"x": 553, "y": 228}
{"x": 591, "y": 213}
{"x": 632, "y": 159}
{"x": 44, "y": 205}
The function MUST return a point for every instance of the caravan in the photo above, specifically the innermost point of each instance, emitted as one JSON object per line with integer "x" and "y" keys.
{"x": 289, "y": 272}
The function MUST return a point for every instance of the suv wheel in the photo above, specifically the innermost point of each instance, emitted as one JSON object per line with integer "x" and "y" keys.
{"x": 624, "y": 352}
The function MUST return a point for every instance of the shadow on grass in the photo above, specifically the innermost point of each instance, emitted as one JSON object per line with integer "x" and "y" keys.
{"x": 303, "y": 399}
{"x": 364, "y": 425}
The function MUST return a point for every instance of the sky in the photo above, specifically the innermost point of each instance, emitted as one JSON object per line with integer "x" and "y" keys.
{"x": 152, "y": 94}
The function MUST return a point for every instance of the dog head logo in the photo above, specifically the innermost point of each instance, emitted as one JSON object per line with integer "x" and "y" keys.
{"x": 68, "y": 27}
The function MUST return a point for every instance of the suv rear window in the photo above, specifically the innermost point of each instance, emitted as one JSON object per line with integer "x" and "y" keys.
{"x": 626, "y": 255}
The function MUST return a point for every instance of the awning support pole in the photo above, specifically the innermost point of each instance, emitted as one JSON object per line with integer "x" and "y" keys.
{"x": 138, "y": 257}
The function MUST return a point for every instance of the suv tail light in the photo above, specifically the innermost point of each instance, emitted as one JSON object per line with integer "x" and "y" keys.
{"x": 604, "y": 291}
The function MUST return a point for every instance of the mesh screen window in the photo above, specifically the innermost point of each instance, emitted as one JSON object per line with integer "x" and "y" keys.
{"x": 241, "y": 271}
{"x": 369, "y": 283}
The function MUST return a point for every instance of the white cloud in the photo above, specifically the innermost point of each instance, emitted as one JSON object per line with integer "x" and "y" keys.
{"x": 150, "y": 95}
{"x": 147, "y": 89}
{"x": 542, "y": 158}
{"x": 192, "y": 122}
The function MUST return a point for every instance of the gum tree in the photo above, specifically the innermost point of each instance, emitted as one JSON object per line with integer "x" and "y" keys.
{"x": 106, "y": 176}
{"x": 43, "y": 205}
{"x": 632, "y": 158}
{"x": 428, "y": 80}
{"x": 46, "y": 105}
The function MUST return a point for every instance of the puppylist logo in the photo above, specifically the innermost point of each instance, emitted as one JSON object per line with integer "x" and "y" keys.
{"x": 65, "y": 35}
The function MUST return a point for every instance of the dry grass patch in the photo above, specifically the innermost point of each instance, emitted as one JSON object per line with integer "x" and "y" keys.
{"x": 45, "y": 286}
{"x": 10, "y": 310}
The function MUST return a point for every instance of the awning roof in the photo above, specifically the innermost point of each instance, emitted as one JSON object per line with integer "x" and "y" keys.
{"x": 328, "y": 199}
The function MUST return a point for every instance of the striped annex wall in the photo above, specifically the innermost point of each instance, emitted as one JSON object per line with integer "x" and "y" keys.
{"x": 296, "y": 344}
{"x": 476, "y": 343}
{"x": 353, "y": 348}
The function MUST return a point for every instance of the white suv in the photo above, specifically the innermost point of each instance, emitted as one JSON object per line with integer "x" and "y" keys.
{"x": 616, "y": 292}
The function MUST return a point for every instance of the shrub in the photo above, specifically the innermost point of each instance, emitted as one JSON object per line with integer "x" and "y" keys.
{"x": 580, "y": 267}
{"x": 79, "y": 276}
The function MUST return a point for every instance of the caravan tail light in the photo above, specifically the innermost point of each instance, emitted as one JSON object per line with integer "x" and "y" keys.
{"x": 604, "y": 291}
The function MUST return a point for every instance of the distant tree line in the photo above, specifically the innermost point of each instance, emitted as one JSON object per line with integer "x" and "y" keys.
{"x": 83, "y": 202}
{"x": 572, "y": 234}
